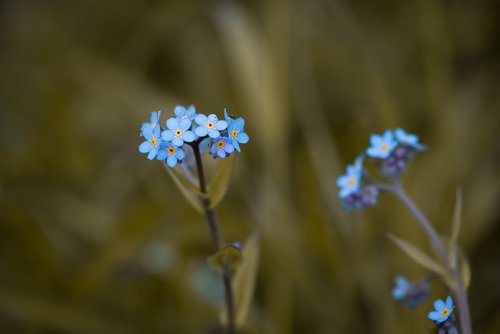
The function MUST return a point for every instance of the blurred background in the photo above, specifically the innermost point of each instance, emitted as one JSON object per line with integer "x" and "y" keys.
{"x": 94, "y": 238}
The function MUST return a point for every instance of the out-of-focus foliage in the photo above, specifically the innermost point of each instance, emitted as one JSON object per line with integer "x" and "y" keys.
{"x": 94, "y": 238}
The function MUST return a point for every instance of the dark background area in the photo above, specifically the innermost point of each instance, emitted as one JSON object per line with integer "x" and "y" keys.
{"x": 94, "y": 238}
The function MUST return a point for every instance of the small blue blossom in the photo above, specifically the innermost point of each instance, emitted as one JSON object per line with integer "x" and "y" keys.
{"x": 221, "y": 147}
{"x": 408, "y": 139}
{"x": 153, "y": 141}
{"x": 350, "y": 182}
{"x": 182, "y": 112}
{"x": 235, "y": 131}
{"x": 153, "y": 122}
{"x": 401, "y": 288}
{"x": 178, "y": 131}
{"x": 210, "y": 125}
{"x": 442, "y": 310}
{"x": 171, "y": 154}
{"x": 381, "y": 146}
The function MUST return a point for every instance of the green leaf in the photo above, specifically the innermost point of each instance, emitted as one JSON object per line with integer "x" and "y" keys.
{"x": 455, "y": 230}
{"x": 219, "y": 182}
{"x": 243, "y": 282}
{"x": 423, "y": 259}
{"x": 187, "y": 188}
{"x": 465, "y": 272}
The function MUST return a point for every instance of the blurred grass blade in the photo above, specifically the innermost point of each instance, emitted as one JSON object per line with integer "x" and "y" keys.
{"x": 187, "y": 188}
{"x": 219, "y": 183}
{"x": 423, "y": 259}
{"x": 244, "y": 281}
{"x": 465, "y": 272}
{"x": 455, "y": 229}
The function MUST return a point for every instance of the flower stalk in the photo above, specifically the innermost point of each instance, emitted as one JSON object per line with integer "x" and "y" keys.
{"x": 215, "y": 236}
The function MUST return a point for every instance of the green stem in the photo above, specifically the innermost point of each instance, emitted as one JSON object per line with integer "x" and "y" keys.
{"x": 458, "y": 290}
{"x": 216, "y": 237}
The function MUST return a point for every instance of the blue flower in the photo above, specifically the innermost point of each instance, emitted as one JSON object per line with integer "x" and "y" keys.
{"x": 209, "y": 125}
{"x": 350, "y": 182}
{"x": 408, "y": 139}
{"x": 401, "y": 288}
{"x": 182, "y": 112}
{"x": 154, "y": 120}
{"x": 235, "y": 131}
{"x": 221, "y": 147}
{"x": 178, "y": 131}
{"x": 153, "y": 141}
{"x": 442, "y": 310}
{"x": 171, "y": 154}
{"x": 381, "y": 146}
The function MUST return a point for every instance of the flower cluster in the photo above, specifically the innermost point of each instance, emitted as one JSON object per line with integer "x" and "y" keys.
{"x": 188, "y": 127}
{"x": 390, "y": 153}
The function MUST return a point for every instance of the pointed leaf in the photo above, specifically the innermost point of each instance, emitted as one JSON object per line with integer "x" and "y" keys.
{"x": 422, "y": 258}
{"x": 219, "y": 183}
{"x": 187, "y": 188}
{"x": 455, "y": 230}
{"x": 243, "y": 282}
{"x": 465, "y": 272}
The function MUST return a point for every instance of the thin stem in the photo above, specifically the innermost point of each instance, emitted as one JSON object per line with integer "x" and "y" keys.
{"x": 216, "y": 237}
{"x": 458, "y": 290}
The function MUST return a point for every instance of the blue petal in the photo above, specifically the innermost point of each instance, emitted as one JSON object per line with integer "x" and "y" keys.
{"x": 212, "y": 118}
{"x": 375, "y": 140}
{"x": 179, "y": 111}
{"x": 236, "y": 145}
{"x": 221, "y": 125}
{"x": 342, "y": 180}
{"x": 179, "y": 154}
{"x": 388, "y": 136}
{"x": 213, "y": 133}
{"x": 171, "y": 161}
{"x": 162, "y": 154}
{"x": 226, "y": 116}
{"x": 449, "y": 302}
{"x": 167, "y": 135}
{"x": 157, "y": 131}
{"x": 242, "y": 137}
{"x": 188, "y": 136}
{"x": 155, "y": 116}
{"x": 185, "y": 124}
{"x": 153, "y": 153}
{"x": 439, "y": 305}
{"x": 434, "y": 315}
{"x": 172, "y": 123}
{"x": 177, "y": 141}
{"x": 147, "y": 132}
{"x": 145, "y": 147}
{"x": 221, "y": 153}
{"x": 191, "y": 111}
{"x": 229, "y": 148}
{"x": 239, "y": 123}
{"x": 200, "y": 119}
{"x": 201, "y": 131}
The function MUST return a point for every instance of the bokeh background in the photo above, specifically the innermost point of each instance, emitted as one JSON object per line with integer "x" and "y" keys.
{"x": 94, "y": 238}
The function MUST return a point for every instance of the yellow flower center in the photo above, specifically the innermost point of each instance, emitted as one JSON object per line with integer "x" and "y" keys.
{"x": 445, "y": 312}
{"x": 234, "y": 133}
{"x": 384, "y": 147}
{"x": 153, "y": 141}
{"x": 210, "y": 125}
{"x": 221, "y": 144}
{"x": 351, "y": 182}
{"x": 178, "y": 132}
{"x": 171, "y": 150}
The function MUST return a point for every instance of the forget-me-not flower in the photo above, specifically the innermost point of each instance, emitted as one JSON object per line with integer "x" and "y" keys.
{"x": 153, "y": 122}
{"x": 178, "y": 131}
{"x": 221, "y": 147}
{"x": 170, "y": 153}
{"x": 408, "y": 139}
{"x": 382, "y": 146}
{"x": 350, "y": 182}
{"x": 153, "y": 141}
{"x": 235, "y": 131}
{"x": 182, "y": 112}
{"x": 401, "y": 288}
{"x": 442, "y": 310}
{"x": 210, "y": 125}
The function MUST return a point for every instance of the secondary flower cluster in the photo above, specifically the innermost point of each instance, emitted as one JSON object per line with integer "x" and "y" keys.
{"x": 187, "y": 126}
{"x": 442, "y": 316}
{"x": 390, "y": 153}
{"x": 411, "y": 294}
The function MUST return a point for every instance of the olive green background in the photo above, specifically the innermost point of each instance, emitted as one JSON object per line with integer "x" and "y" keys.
{"x": 94, "y": 238}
